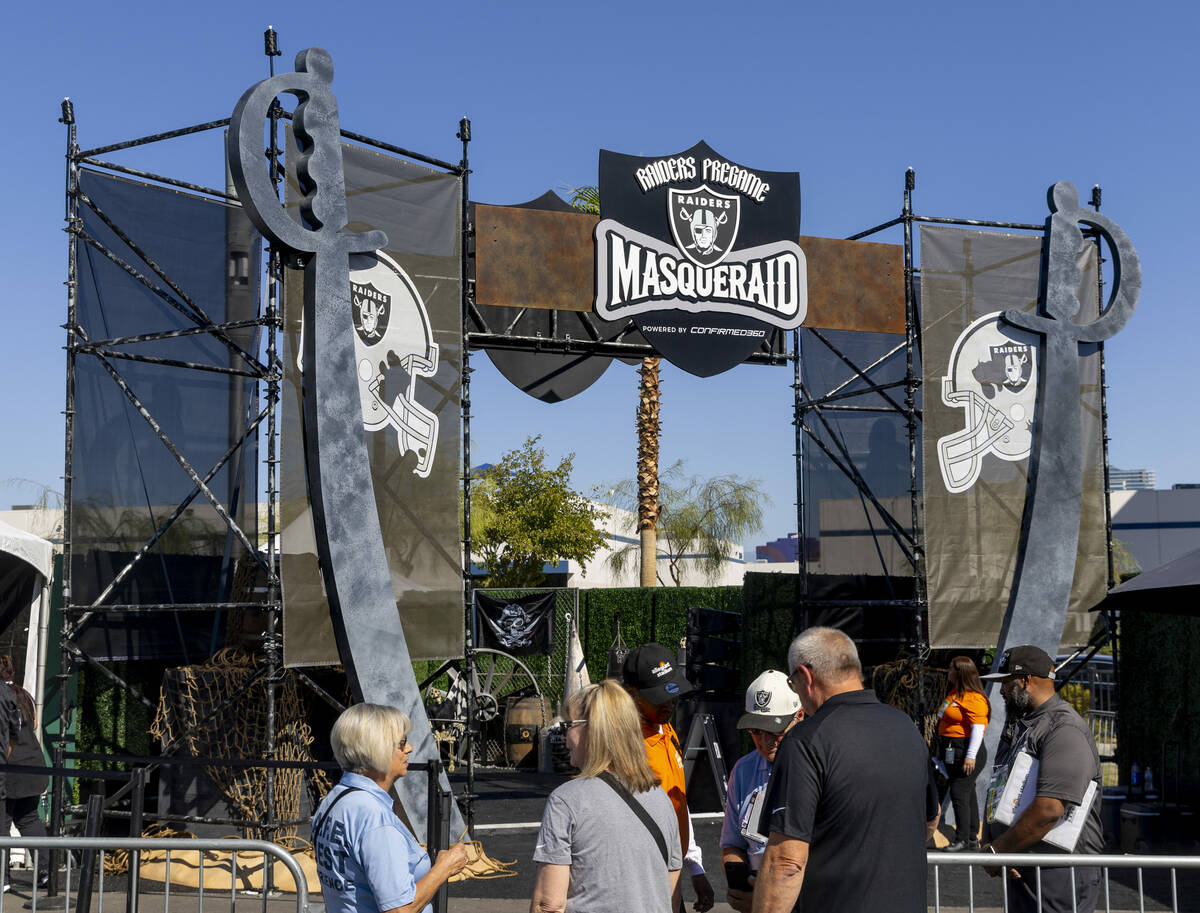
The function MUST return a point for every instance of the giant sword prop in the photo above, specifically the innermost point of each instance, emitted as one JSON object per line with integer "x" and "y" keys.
{"x": 350, "y": 549}
{"x": 1041, "y": 590}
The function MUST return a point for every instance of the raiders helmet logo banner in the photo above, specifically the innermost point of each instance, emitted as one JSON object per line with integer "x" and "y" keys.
{"x": 393, "y": 348}
{"x": 701, "y": 253}
{"x": 992, "y": 378}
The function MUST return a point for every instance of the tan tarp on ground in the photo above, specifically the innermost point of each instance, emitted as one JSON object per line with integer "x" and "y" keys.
{"x": 219, "y": 869}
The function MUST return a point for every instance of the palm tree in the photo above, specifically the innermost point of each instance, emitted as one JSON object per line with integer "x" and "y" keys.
{"x": 700, "y": 520}
{"x": 587, "y": 199}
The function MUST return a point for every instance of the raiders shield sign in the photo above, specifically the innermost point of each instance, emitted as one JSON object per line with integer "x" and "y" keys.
{"x": 371, "y": 311}
{"x": 704, "y": 223}
{"x": 701, "y": 253}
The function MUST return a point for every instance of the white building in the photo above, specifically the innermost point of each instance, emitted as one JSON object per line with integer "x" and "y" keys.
{"x": 1130, "y": 479}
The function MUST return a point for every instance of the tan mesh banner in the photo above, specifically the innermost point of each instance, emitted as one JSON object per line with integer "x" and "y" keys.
{"x": 980, "y": 391}
{"x": 408, "y": 324}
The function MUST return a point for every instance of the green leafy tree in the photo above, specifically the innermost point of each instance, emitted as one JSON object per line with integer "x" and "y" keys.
{"x": 524, "y": 514}
{"x": 1125, "y": 566}
{"x": 698, "y": 517}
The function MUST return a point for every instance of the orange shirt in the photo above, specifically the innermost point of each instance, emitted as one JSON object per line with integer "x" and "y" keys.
{"x": 958, "y": 714}
{"x": 662, "y": 751}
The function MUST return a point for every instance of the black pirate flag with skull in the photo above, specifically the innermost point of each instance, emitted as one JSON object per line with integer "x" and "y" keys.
{"x": 523, "y": 626}
{"x": 701, "y": 253}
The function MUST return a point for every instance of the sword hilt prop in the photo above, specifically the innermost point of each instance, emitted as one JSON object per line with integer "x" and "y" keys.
{"x": 318, "y": 166}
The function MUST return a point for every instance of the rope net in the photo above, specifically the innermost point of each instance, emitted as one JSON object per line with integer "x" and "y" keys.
{"x": 219, "y": 710}
{"x": 898, "y": 683}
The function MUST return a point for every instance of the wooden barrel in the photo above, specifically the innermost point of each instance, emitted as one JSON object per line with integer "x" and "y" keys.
{"x": 523, "y": 721}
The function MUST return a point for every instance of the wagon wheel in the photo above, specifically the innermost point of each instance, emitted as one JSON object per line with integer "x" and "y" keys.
{"x": 497, "y": 676}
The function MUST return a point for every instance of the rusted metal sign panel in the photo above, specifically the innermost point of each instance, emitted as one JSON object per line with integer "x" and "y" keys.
{"x": 538, "y": 259}
{"x": 854, "y": 285}
{"x": 534, "y": 258}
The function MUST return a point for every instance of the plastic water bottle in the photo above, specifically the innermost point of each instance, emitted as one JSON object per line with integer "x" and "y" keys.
{"x": 1135, "y": 779}
{"x": 1148, "y": 779}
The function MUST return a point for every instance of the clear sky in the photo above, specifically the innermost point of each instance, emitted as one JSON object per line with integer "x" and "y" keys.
{"x": 990, "y": 103}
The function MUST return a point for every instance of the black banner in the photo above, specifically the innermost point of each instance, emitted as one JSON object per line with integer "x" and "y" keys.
{"x": 523, "y": 626}
{"x": 189, "y": 263}
{"x": 701, "y": 253}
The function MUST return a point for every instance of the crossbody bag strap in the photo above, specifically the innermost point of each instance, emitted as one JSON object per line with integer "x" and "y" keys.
{"x": 640, "y": 811}
{"x": 316, "y": 828}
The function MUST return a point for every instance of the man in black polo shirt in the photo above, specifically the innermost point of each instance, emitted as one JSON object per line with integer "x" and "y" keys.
{"x": 847, "y": 804}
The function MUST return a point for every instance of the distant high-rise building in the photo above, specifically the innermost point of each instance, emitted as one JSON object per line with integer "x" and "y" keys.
{"x": 787, "y": 549}
{"x": 1130, "y": 479}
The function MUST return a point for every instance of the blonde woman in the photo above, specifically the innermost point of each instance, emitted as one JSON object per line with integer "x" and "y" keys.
{"x": 609, "y": 839}
{"x": 367, "y": 860}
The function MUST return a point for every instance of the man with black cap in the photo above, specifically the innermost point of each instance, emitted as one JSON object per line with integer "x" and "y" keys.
{"x": 772, "y": 708}
{"x": 651, "y": 675}
{"x": 1053, "y": 735}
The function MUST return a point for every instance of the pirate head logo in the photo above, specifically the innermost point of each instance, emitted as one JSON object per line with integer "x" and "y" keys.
{"x": 762, "y": 701}
{"x": 1009, "y": 368}
{"x": 371, "y": 310}
{"x": 703, "y": 222}
{"x": 515, "y": 626}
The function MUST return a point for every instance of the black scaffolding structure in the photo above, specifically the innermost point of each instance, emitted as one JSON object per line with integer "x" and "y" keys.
{"x": 260, "y": 364}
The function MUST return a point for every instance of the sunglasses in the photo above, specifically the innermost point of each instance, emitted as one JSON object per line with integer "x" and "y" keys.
{"x": 571, "y": 724}
{"x": 792, "y": 679}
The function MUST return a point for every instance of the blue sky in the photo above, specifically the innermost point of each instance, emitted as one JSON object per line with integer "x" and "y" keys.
{"x": 989, "y": 103}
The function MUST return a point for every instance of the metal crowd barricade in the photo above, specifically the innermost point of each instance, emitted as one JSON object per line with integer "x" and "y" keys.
{"x": 133, "y": 892}
{"x": 943, "y": 894}
{"x": 437, "y": 834}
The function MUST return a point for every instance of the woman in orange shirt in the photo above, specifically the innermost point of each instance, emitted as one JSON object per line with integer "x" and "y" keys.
{"x": 961, "y": 721}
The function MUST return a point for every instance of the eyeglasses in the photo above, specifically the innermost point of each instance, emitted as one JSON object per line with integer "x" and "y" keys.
{"x": 764, "y": 734}
{"x": 571, "y": 724}
{"x": 792, "y": 678}
{"x": 403, "y": 745}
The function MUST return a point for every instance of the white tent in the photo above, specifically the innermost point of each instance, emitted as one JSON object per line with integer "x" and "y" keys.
{"x": 26, "y": 572}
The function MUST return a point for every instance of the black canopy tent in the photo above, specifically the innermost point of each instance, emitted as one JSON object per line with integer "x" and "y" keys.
{"x": 1172, "y": 588}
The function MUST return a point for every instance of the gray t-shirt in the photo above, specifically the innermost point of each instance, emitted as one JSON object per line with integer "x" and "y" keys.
{"x": 1062, "y": 743}
{"x": 615, "y": 863}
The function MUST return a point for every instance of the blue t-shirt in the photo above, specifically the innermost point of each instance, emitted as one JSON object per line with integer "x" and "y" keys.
{"x": 367, "y": 860}
{"x": 749, "y": 774}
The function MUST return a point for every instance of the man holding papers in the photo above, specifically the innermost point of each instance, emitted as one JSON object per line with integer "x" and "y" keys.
{"x": 1044, "y": 785}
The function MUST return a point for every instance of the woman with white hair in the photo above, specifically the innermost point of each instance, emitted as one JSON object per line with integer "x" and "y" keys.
{"x": 609, "y": 839}
{"x": 367, "y": 860}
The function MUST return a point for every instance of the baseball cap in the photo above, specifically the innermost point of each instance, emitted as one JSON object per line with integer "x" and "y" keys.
{"x": 652, "y": 670}
{"x": 770, "y": 703}
{"x": 1024, "y": 660}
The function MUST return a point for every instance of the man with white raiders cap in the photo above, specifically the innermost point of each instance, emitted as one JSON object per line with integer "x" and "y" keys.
{"x": 772, "y": 708}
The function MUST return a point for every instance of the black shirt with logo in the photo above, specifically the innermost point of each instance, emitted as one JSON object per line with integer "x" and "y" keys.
{"x": 852, "y": 781}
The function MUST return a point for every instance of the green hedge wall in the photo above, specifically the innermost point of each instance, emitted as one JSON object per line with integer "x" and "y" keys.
{"x": 768, "y": 622}
{"x": 646, "y": 614}
{"x": 111, "y": 720}
{"x": 1158, "y": 720}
